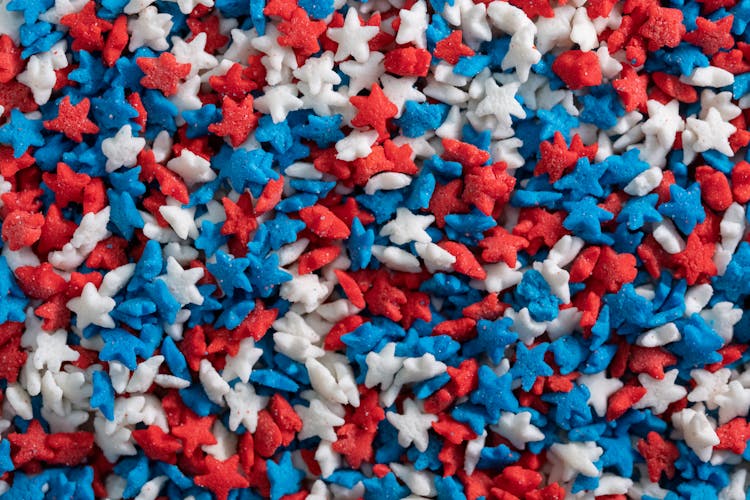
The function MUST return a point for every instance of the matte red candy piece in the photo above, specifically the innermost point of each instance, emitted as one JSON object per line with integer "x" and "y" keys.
{"x": 267, "y": 435}
{"x": 22, "y": 229}
{"x": 578, "y": 69}
{"x": 623, "y": 399}
{"x": 408, "y": 61}
{"x": 451, "y": 48}
{"x": 324, "y": 223}
{"x": 741, "y": 182}
{"x": 715, "y": 190}
{"x": 660, "y": 455}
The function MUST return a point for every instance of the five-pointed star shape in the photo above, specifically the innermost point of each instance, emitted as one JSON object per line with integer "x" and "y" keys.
{"x": 279, "y": 101}
{"x": 244, "y": 405}
{"x": 500, "y": 102}
{"x": 192, "y": 168}
{"x": 664, "y": 121}
{"x": 352, "y": 38}
{"x": 52, "y": 351}
{"x": 601, "y": 388}
{"x": 181, "y": 282}
{"x": 412, "y": 425}
{"x": 150, "y": 28}
{"x": 193, "y": 53}
{"x": 317, "y": 72}
{"x": 241, "y": 365}
{"x": 518, "y": 429}
{"x": 407, "y": 227}
{"x": 122, "y": 149}
{"x": 318, "y": 420}
{"x": 92, "y": 308}
{"x": 661, "y": 393}
{"x": 697, "y": 431}
{"x": 382, "y": 366}
{"x": 734, "y": 402}
{"x": 577, "y": 458}
{"x": 710, "y": 133}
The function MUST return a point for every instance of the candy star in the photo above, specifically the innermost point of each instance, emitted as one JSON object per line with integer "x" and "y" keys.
{"x": 710, "y": 133}
{"x": 122, "y": 149}
{"x": 522, "y": 54}
{"x": 192, "y": 168}
{"x": 352, "y": 38}
{"x": 150, "y": 28}
{"x": 193, "y": 53}
{"x": 577, "y": 458}
{"x": 318, "y": 420}
{"x": 363, "y": 75}
{"x": 664, "y": 121}
{"x": 500, "y": 102}
{"x": 708, "y": 386}
{"x": 91, "y": 308}
{"x": 181, "y": 282}
{"x": 382, "y": 366}
{"x": 241, "y": 365}
{"x": 278, "y": 101}
{"x": 698, "y": 432}
{"x": 412, "y": 425}
{"x": 734, "y": 402}
{"x": 413, "y": 25}
{"x": 661, "y": 393}
{"x": 40, "y": 77}
{"x": 72, "y": 120}
{"x": 407, "y": 227}
{"x": 52, "y": 351}
{"x": 244, "y": 406}
{"x": 317, "y": 72}
{"x": 518, "y": 429}
{"x": 601, "y": 388}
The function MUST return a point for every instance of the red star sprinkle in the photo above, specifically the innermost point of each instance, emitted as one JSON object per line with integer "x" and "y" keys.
{"x": 660, "y": 455}
{"x": 235, "y": 83}
{"x": 632, "y": 88}
{"x": 374, "y": 111}
{"x": 663, "y": 28}
{"x": 116, "y": 42}
{"x": 237, "y": 120}
{"x": 578, "y": 69}
{"x": 712, "y": 36}
{"x": 157, "y": 444}
{"x": 324, "y": 223}
{"x": 67, "y": 185}
{"x": 488, "y": 188}
{"x": 301, "y": 33}
{"x": 451, "y": 48}
{"x": 72, "y": 120}
{"x": 194, "y": 432}
{"x": 163, "y": 73}
{"x": 222, "y": 477}
{"x": 12, "y": 356}
{"x": 210, "y": 26}
{"x": 11, "y": 63}
{"x": 22, "y": 229}
{"x": 86, "y": 29}
{"x": 733, "y": 435}
{"x": 29, "y": 446}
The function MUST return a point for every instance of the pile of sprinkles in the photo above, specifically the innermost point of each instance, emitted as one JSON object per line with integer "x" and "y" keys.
{"x": 374, "y": 249}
